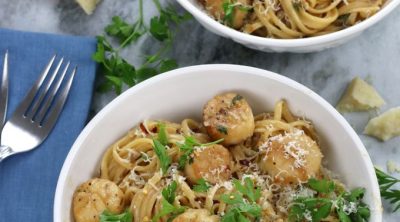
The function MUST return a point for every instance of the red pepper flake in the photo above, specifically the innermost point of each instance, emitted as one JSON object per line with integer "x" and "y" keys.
{"x": 154, "y": 130}
{"x": 144, "y": 130}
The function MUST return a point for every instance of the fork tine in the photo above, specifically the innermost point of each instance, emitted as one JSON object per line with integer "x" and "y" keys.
{"x": 37, "y": 102}
{"x": 51, "y": 95}
{"x": 4, "y": 91}
{"x": 55, "y": 111}
{"x": 24, "y": 105}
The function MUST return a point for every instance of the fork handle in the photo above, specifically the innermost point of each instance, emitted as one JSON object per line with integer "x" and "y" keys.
{"x": 5, "y": 151}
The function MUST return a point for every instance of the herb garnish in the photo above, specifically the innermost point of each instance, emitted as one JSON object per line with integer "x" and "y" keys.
{"x": 349, "y": 205}
{"x": 201, "y": 186}
{"x": 236, "y": 99}
{"x": 229, "y": 10}
{"x": 222, "y": 129}
{"x": 386, "y": 183}
{"x": 240, "y": 209}
{"x": 188, "y": 148}
{"x": 117, "y": 71}
{"x": 161, "y": 152}
{"x": 107, "y": 216}
{"x": 297, "y": 5}
{"x": 167, "y": 203}
{"x": 321, "y": 186}
{"x": 248, "y": 189}
{"x": 162, "y": 134}
{"x": 316, "y": 208}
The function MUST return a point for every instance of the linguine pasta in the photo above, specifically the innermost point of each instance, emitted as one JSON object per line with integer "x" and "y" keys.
{"x": 277, "y": 160}
{"x": 290, "y": 19}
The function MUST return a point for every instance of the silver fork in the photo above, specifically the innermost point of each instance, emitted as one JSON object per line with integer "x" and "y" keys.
{"x": 37, "y": 114}
{"x": 4, "y": 92}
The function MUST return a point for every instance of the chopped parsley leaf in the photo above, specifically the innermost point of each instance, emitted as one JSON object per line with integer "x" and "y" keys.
{"x": 161, "y": 152}
{"x": 167, "y": 203}
{"x": 348, "y": 205}
{"x": 107, "y": 216}
{"x": 229, "y": 10}
{"x": 240, "y": 210}
{"x": 222, "y": 129}
{"x": 162, "y": 134}
{"x": 188, "y": 148}
{"x": 236, "y": 99}
{"x": 201, "y": 186}
{"x": 321, "y": 186}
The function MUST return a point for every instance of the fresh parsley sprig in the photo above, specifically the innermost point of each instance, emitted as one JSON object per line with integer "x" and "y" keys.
{"x": 321, "y": 186}
{"x": 242, "y": 203}
{"x": 386, "y": 183}
{"x": 167, "y": 203}
{"x": 161, "y": 152}
{"x": 348, "y": 205}
{"x": 247, "y": 189}
{"x": 201, "y": 186}
{"x": 314, "y": 208}
{"x": 187, "y": 147}
{"x": 160, "y": 148}
{"x": 119, "y": 72}
{"x": 351, "y": 208}
{"x": 107, "y": 216}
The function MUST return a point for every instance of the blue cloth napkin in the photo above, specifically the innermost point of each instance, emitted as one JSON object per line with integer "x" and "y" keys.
{"x": 28, "y": 180}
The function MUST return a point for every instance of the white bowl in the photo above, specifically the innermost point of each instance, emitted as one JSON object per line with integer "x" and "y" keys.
{"x": 310, "y": 44}
{"x": 183, "y": 92}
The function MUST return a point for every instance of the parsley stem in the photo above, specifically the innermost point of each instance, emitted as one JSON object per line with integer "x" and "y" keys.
{"x": 141, "y": 10}
{"x": 139, "y": 24}
{"x": 158, "y": 5}
{"x": 160, "y": 52}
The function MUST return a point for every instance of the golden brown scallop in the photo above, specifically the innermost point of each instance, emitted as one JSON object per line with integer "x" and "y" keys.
{"x": 290, "y": 158}
{"x": 196, "y": 215}
{"x": 230, "y": 117}
{"x": 95, "y": 196}
{"x": 213, "y": 163}
{"x": 215, "y": 7}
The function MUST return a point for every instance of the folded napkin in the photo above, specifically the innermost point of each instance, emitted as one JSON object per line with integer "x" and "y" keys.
{"x": 28, "y": 180}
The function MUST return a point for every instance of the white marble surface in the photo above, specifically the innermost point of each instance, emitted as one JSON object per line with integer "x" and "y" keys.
{"x": 375, "y": 55}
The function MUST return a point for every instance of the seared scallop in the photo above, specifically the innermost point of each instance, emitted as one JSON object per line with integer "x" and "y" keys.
{"x": 230, "y": 117}
{"x": 216, "y": 9}
{"x": 213, "y": 163}
{"x": 290, "y": 158}
{"x": 196, "y": 215}
{"x": 95, "y": 196}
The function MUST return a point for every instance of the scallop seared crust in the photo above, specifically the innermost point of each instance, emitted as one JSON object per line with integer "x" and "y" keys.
{"x": 213, "y": 163}
{"x": 95, "y": 196}
{"x": 290, "y": 158}
{"x": 229, "y": 117}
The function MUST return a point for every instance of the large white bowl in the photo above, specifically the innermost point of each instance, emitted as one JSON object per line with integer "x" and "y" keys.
{"x": 285, "y": 45}
{"x": 183, "y": 92}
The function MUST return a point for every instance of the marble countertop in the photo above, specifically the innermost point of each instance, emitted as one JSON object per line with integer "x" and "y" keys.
{"x": 375, "y": 55}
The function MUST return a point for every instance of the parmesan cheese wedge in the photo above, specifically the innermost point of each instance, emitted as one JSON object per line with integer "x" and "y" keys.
{"x": 385, "y": 126}
{"x": 359, "y": 96}
{"x": 88, "y": 5}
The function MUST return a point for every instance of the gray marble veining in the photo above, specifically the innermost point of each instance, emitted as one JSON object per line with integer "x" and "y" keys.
{"x": 374, "y": 55}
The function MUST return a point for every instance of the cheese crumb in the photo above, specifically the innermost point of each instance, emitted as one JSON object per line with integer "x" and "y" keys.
{"x": 88, "y": 5}
{"x": 385, "y": 126}
{"x": 392, "y": 167}
{"x": 359, "y": 96}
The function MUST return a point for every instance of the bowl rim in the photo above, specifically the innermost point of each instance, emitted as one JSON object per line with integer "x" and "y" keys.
{"x": 288, "y": 43}
{"x": 77, "y": 145}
